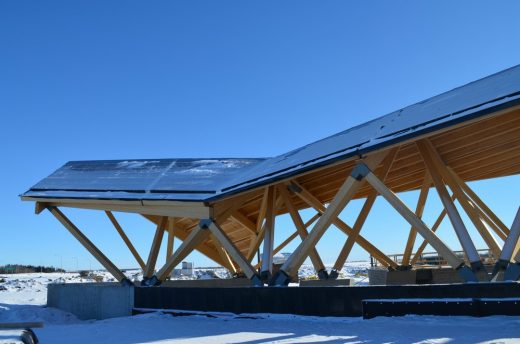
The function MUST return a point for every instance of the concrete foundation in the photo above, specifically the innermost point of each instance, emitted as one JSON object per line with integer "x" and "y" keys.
{"x": 417, "y": 276}
{"x": 92, "y": 300}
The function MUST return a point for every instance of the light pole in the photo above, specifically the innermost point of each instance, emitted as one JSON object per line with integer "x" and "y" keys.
{"x": 61, "y": 260}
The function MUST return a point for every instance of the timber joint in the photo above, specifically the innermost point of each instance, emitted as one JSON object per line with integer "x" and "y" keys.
{"x": 360, "y": 171}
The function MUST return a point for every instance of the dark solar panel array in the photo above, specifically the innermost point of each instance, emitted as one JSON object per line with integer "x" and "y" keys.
{"x": 202, "y": 179}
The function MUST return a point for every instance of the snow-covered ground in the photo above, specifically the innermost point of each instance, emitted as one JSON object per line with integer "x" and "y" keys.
{"x": 23, "y": 298}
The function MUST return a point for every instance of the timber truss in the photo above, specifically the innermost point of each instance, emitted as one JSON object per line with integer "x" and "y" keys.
{"x": 232, "y": 231}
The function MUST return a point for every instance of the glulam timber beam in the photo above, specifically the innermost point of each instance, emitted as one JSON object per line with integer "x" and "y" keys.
{"x": 125, "y": 238}
{"x": 196, "y": 236}
{"x": 499, "y": 227}
{"x": 196, "y": 210}
{"x": 511, "y": 269}
{"x": 182, "y": 234}
{"x": 154, "y": 249}
{"x": 346, "y": 192}
{"x": 419, "y": 209}
{"x": 313, "y": 202}
{"x": 268, "y": 247}
{"x": 434, "y": 228}
{"x": 291, "y": 237}
{"x": 433, "y": 164}
{"x": 256, "y": 240}
{"x": 360, "y": 221}
{"x": 231, "y": 249}
{"x": 228, "y": 262}
{"x": 437, "y": 166}
{"x": 89, "y": 246}
{"x": 171, "y": 237}
{"x": 465, "y": 272}
{"x": 301, "y": 230}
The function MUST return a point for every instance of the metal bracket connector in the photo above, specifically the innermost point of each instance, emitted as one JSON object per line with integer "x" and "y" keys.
{"x": 360, "y": 171}
{"x": 294, "y": 188}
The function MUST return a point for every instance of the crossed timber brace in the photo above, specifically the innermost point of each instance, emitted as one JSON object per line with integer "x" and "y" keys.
{"x": 196, "y": 236}
{"x": 345, "y": 193}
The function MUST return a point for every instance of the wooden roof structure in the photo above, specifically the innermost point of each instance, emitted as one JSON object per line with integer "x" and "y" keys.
{"x": 467, "y": 134}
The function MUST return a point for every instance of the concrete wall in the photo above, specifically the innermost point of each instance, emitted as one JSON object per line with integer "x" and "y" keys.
{"x": 420, "y": 276}
{"x": 92, "y": 300}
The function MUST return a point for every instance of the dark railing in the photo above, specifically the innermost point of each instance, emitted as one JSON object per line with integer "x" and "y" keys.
{"x": 434, "y": 259}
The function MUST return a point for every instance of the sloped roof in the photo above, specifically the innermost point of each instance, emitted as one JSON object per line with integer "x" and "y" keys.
{"x": 208, "y": 179}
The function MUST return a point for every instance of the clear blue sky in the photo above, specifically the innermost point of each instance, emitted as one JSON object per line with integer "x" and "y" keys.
{"x": 127, "y": 79}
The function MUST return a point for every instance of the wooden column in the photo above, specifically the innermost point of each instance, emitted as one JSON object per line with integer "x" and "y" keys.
{"x": 434, "y": 228}
{"x": 421, "y": 227}
{"x": 499, "y": 226}
{"x": 509, "y": 247}
{"x": 302, "y": 232}
{"x": 154, "y": 249}
{"x": 196, "y": 236}
{"x": 228, "y": 262}
{"x": 125, "y": 239}
{"x": 231, "y": 249}
{"x": 423, "y": 195}
{"x": 312, "y": 201}
{"x": 171, "y": 237}
{"x": 257, "y": 239}
{"x": 345, "y": 193}
{"x": 356, "y": 229}
{"x": 291, "y": 237}
{"x": 360, "y": 221}
{"x": 267, "y": 254}
{"x": 89, "y": 246}
{"x": 434, "y": 161}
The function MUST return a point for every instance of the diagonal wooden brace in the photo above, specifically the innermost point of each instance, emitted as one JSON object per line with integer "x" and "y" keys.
{"x": 421, "y": 227}
{"x": 196, "y": 236}
{"x": 433, "y": 163}
{"x": 127, "y": 241}
{"x": 512, "y": 269}
{"x": 118, "y": 274}
{"x": 312, "y": 201}
{"x": 345, "y": 193}
{"x": 231, "y": 249}
{"x": 154, "y": 249}
{"x": 302, "y": 232}
{"x": 423, "y": 195}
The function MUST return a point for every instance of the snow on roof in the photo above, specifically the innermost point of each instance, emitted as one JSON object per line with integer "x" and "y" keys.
{"x": 207, "y": 179}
